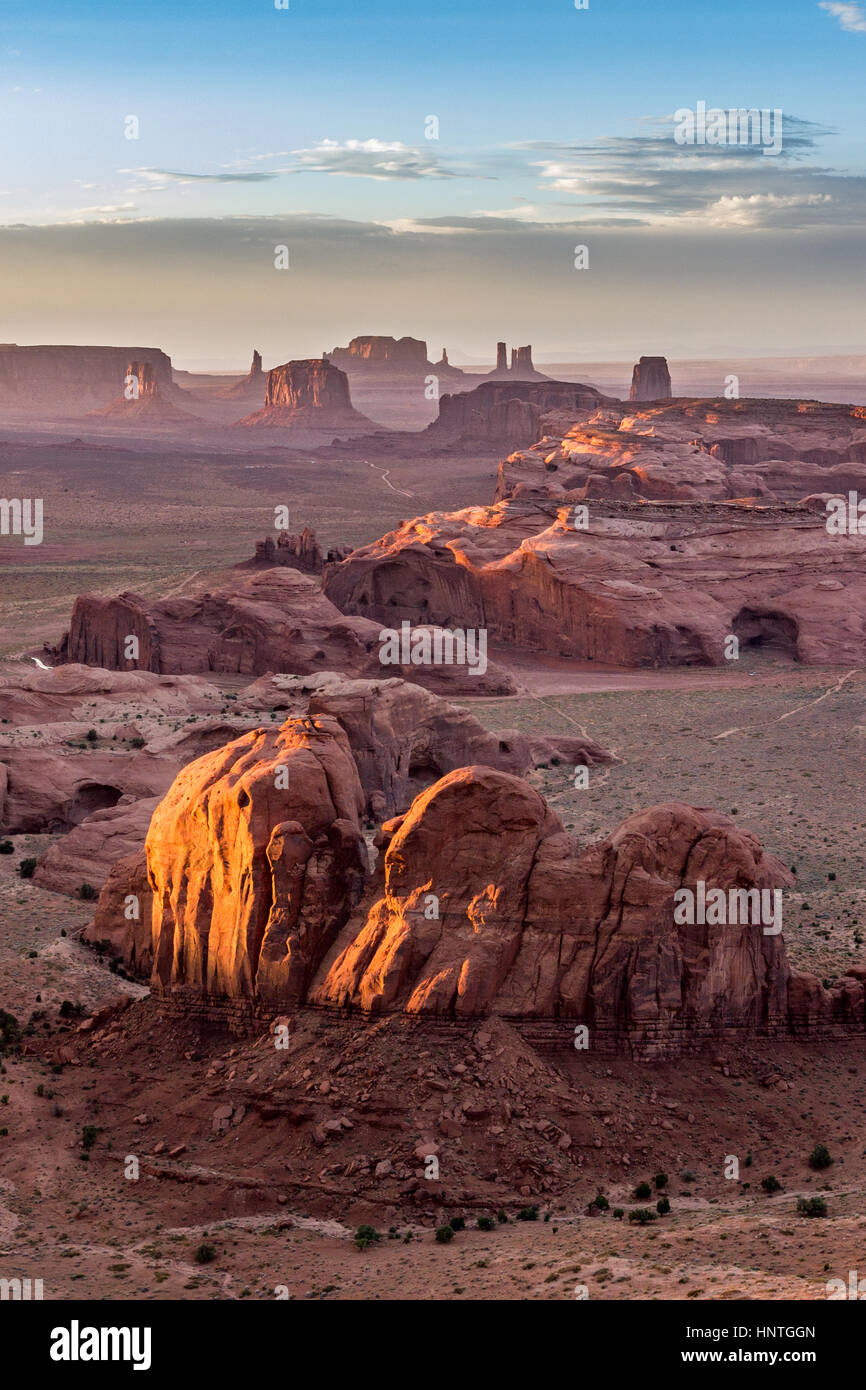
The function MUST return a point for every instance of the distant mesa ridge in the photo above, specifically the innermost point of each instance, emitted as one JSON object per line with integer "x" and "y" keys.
{"x": 380, "y": 354}
{"x": 55, "y": 377}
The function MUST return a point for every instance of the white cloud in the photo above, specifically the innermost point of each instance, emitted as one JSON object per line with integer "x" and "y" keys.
{"x": 370, "y": 159}
{"x": 851, "y": 16}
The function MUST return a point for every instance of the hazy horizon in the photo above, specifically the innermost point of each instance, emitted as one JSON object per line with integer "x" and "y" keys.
{"x": 418, "y": 189}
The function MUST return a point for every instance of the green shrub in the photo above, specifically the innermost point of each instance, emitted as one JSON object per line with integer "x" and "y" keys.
{"x": 87, "y": 892}
{"x": 618, "y": 1213}
{"x": 486, "y": 1223}
{"x": 811, "y": 1206}
{"x": 205, "y": 1254}
{"x": 10, "y": 1031}
{"x": 660, "y": 1180}
{"x": 820, "y": 1157}
{"x": 444, "y": 1234}
{"x": 366, "y": 1236}
{"x": 91, "y": 735}
{"x": 26, "y": 868}
{"x": 458, "y": 1223}
{"x": 528, "y": 1214}
{"x": 771, "y": 1184}
{"x": 501, "y": 1217}
{"x": 6, "y": 847}
{"x": 643, "y": 1215}
{"x": 663, "y": 1206}
{"x": 600, "y": 1201}
{"x": 642, "y": 1192}
{"x": 88, "y": 1136}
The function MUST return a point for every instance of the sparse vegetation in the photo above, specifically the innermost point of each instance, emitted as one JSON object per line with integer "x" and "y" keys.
{"x": 365, "y": 1236}
{"x": 811, "y": 1206}
{"x": 820, "y": 1157}
{"x": 643, "y": 1215}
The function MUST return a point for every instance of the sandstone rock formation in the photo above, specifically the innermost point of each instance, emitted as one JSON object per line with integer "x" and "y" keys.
{"x": 123, "y": 921}
{"x": 384, "y": 359}
{"x": 255, "y": 859}
{"x": 142, "y": 399}
{"x": 374, "y": 352}
{"x": 483, "y": 905}
{"x": 693, "y": 450}
{"x": 274, "y": 620}
{"x": 308, "y": 397}
{"x": 651, "y": 380}
{"x": 634, "y": 585}
{"x": 251, "y": 387}
{"x": 520, "y": 369}
{"x": 403, "y": 738}
{"x": 63, "y": 380}
{"x": 506, "y": 414}
{"x": 530, "y": 925}
{"x": 83, "y": 695}
{"x": 88, "y": 853}
{"x": 301, "y": 552}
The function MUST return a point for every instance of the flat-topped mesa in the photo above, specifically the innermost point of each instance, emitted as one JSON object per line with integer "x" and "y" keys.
{"x": 506, "y": 413}
{"x": 651, "y": 380}
{"x": 373, "y": 351}
{"x": 314, "y": 383}
{"x": 62, "y": 378}
{"x": 380, "y": 355}
{"x": 309, "y": 395}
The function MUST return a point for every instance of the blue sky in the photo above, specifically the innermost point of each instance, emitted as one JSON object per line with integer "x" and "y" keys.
{"x": 550, "y": 119}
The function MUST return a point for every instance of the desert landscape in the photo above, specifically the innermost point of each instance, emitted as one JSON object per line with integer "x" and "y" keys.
{"x": 431, "y": 776}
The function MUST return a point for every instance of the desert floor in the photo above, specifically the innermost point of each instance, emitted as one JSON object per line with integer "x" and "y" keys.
{"x": 780, "y": 747}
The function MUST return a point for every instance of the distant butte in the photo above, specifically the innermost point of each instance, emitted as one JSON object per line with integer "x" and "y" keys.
{"x": 651, "y": 380}
{"x": 308, "y": 397}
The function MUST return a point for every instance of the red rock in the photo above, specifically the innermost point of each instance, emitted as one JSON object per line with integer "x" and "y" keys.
{"x": 64, "y": 380}
{"x": 651, "y": 380}
{"x": 637, "y": 587}
{"x": 250, "y": 892}
{"x": 308, "y": 397}
{"x": 506, "y": 413}
{"x": 275, "y": 620}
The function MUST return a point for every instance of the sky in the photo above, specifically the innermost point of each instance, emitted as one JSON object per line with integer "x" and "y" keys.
{"x": 430, "y": 169}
